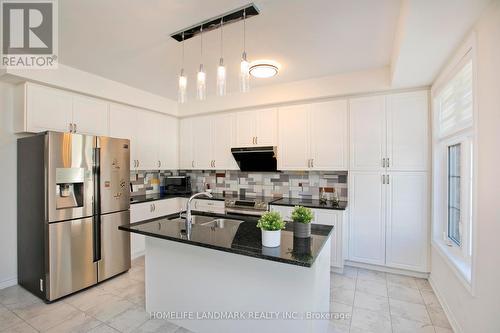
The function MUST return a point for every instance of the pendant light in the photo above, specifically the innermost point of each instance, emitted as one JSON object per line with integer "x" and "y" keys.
{"x": 201, "y": 77}
{"x": 221, "y": 69}
{"x": 244, "y": 65}
{"x": 182, "y": 90}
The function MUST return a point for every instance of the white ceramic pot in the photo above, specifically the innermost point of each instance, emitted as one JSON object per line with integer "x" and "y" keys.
{"x": 271, "y": 238}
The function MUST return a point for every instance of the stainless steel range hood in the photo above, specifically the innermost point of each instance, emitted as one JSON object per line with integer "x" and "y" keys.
{"x": 261, "y": 159}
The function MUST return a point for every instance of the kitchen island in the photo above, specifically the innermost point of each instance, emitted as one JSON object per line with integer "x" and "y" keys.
{"x": 220, "y": 278}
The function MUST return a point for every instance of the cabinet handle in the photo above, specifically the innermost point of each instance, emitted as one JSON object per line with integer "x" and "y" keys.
{"x": 388, "y": 162}
{"x": 138, "y": 163}
{"x": 256, "y": 140}
{"x": 159, "y": 164}
{"x": 383, "y": 179}
{"x": 214, "y": 163}
{"x": 387, "y": 180}
{"x": 74, "y": 128}
{"x": 70, "y": 127}
{"x": 192, "y": 164}
{"x": 253, "y": 140}
{"x": 383, "y": 162}
{"x": 312, "y": 162}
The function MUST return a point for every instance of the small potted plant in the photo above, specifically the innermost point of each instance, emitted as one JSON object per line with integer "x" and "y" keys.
{"x": 271, "y": 224}
{"x": 302, "y": 218}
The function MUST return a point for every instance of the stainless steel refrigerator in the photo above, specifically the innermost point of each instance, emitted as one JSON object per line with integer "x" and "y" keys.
{"x": 73, "y": 193}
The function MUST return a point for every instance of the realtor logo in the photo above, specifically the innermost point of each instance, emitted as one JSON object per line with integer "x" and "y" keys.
{"x": 29, "y": 34}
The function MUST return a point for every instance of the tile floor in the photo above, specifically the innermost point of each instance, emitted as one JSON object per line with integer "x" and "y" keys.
{"x": 370, "y": 301}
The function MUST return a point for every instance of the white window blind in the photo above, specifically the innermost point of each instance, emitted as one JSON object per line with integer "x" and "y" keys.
{"x": 454, "y": 102}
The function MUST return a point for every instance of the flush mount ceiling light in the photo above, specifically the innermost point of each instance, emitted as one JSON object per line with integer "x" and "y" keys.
{"x": 263, "y": 69}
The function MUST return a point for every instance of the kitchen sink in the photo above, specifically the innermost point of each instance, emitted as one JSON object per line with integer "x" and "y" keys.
{"x": 197, "y": 219}
{"x": 221, "y": 223}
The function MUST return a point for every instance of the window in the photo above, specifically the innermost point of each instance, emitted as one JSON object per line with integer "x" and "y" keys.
{"x": 454, "y": 137}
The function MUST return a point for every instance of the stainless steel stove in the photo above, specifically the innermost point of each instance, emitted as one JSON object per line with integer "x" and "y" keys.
{"x": 248, "y": 206}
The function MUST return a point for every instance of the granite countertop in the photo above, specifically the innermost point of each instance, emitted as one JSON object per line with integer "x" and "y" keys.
{"x": 310, "y": 203}
{"x": 243, "y": 238}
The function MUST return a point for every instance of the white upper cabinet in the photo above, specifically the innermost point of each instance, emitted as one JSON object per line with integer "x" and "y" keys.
{"x": 206, "y": 141}
{"x": 367, "y": 217}
{"x": 329, "y": 140}
{"x": 168, "y": 141}
{"x": 256, "y": 128}
{"x": 90, "y": 116}
{"x": 186, "y": 158}
{"x": 123, "y": 124}
{"x": 407, "y": 220}
{"x": 313, "y": 136}
{"x": 293, "y": 129}
{"x": 408, "y": 131}
{"x": 368, "y": 133}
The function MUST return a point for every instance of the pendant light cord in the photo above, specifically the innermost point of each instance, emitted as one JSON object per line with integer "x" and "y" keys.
{"x": 182, "y": 50}
{"x": 201, "y": 40}
{"x": 221, "y": 38}
{"x": 244, "y": 29}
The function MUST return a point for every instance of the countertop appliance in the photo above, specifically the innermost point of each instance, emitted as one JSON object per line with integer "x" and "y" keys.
{"x": 73, "y": 194}
{"x": 260, "y": 159}
{"x": 248, "y": 206}
{"x": 177, "y": 185}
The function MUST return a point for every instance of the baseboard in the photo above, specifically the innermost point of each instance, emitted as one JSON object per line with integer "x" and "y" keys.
{"x": 447, "y": 311}
{"x": 137, "y": 254}
{"x": 8, "y": 283}
{"x": 387, "y": 269}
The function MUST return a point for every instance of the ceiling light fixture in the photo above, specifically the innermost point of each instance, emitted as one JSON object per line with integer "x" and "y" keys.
{"x": 221, "y": 70}
{"x": 244, "y": 65}
{"x": 182, "y": 90}
{"x": 263, "y": 69}
{"x": 201, "y": 77}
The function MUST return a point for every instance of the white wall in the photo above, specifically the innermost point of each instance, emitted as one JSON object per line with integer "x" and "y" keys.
{"x": 8, "y": 193}
{"x": 481, "y": 312}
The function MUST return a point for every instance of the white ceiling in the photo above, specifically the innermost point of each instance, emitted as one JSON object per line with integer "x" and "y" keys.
{"x": 128, "y": 40}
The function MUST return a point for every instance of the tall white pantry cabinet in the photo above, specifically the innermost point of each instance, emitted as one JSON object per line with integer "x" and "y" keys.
{"x": 388, "y": 180}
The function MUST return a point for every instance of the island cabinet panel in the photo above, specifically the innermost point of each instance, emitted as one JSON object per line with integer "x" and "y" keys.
{"x": 314, "y": 136}
{"x": 256, "y": 128}
{"x": 335, "y": 218}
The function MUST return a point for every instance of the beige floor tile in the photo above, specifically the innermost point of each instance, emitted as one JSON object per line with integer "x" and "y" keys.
{"x": 137, "y": 273}
{"x": 87, "y": 299}
{"x": 341, "y": 281}
{"x": 103, "y": 328}
{"x": 430, "y": 300}
{"x": 138, "y": 261}
{"x": 372, "y": 287}
{"x": 8, "y": 319}
{"x": 405, "y": 294}
{"x": 50, "y": 316}
{"x": 401, "y": 325}
{"x": 129, "y": 320}
{"x": 401, "y": 280}
{"x": 438, "y": 318}
{"x": 22, "y": 327}
{"x": 442, "y": 330}
{"x": 134, "y": 292}
{"x": 366, "y": 274}
{"x": 371, "y": 302}
{"x": 350, "y": 272}
{"x": 410, "y": 311}
{"x": 341, "y": 295}
{"x": 370, "y": 321}
{"x": 110, "y": 308}
{"x": 157, "y": 326}
{"x": 423, "y": 284}
{"x": 114, "y": 285}
{"x": 338, "y": 327}
{"x": 16, "y": 296}
{"x": 78, "y": 323}
{"x": 340, "y": 307}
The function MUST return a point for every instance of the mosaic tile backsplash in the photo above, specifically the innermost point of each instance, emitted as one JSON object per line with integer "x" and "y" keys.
{"x": 294, "y": 184}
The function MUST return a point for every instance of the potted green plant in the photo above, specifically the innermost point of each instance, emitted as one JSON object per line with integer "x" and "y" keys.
{"x": 302, "y": 217}
{"x": 271, "y": 224}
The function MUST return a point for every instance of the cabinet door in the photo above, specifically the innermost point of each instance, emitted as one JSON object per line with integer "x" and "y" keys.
{"x": 266, "y": 127}
{"x": 48, "y": 109}
{"x": 186, "y": 160}
{"x": 367, "y": 221}
{"x": 123, "y": 124}
{"x": 168, "y": 147}
{"x": 368, "y": 133}
{"x": 293, "y": 151}
{"x": 148, "y": 124}
{"x": 408, "y": 131}
{"x": 90, "y": 116}
{"x": 245, "y": 128}
{"x": 407, "y": 221}
{"x": 285, "y": 211}
{"x": 223, "y": 140}
{"x": 328, "y": 135}
{"x": 333, "y": 218}
{"x": 202, "y": 143}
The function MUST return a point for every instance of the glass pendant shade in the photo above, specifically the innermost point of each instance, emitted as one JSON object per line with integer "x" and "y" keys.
{"x": 221, "y": 78}
{"x": 201, "y": 84}
{"x": 244, "y": 74}
{"x": 182, "y": 91}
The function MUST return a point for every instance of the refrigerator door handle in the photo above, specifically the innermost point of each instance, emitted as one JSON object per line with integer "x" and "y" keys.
{"x": 97, "y": 205}
{"x": 97, "y": 237}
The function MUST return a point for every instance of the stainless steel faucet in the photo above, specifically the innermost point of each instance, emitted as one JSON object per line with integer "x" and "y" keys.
{"x": 189, "y": 217}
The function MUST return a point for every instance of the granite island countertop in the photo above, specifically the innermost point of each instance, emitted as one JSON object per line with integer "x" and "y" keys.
{"x": 310, "y": 203}
{"x": 243, "y": 239}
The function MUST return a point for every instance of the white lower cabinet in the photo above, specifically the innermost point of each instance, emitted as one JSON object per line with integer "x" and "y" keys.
{"x": 331, "y": 217}
{"x": 208, "y": 206}
{"x": 150, "y": 210}
{"x": 389, "y": 217}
